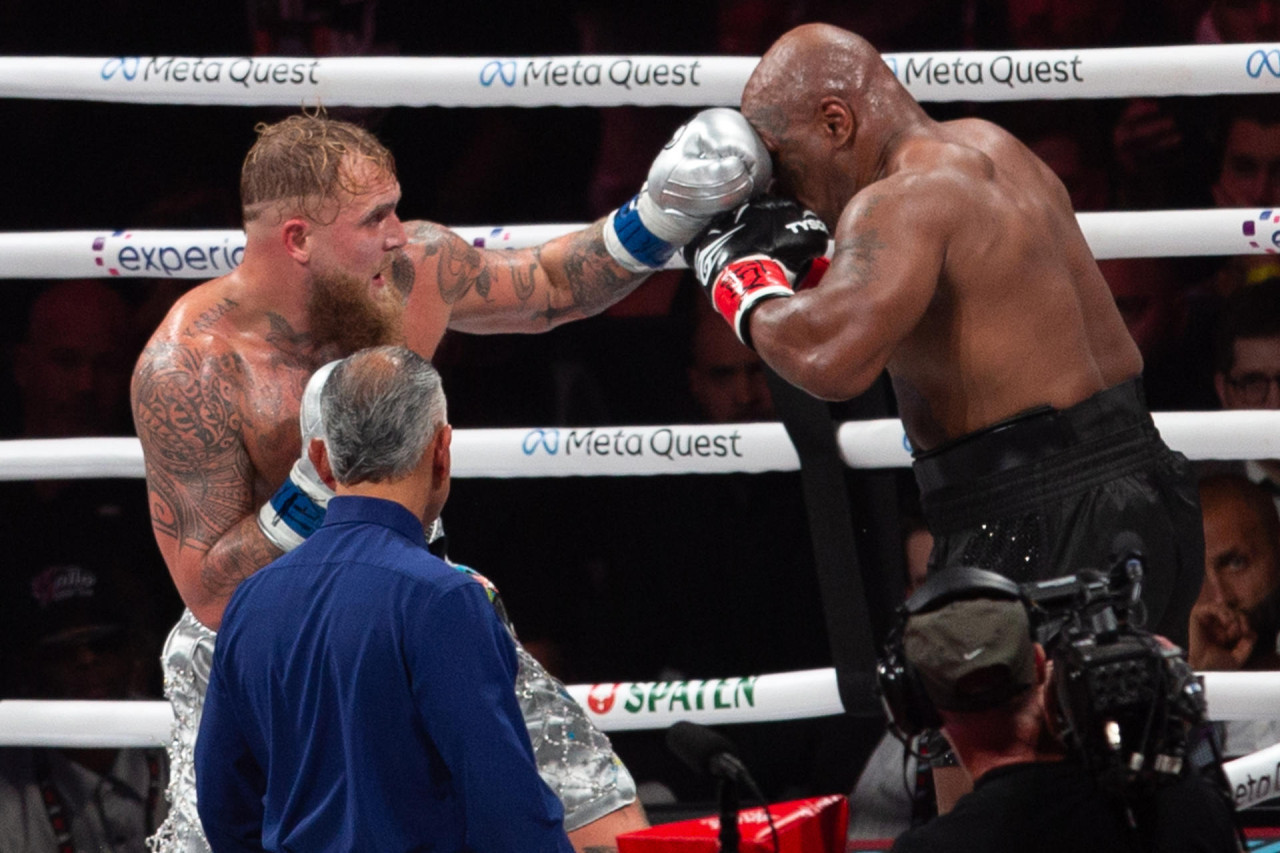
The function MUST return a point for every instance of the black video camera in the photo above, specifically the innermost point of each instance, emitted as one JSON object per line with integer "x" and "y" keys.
{"x": 1125, "y": 701}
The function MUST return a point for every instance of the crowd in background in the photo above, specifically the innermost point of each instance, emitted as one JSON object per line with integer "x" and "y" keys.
{"x": 613, "y": 578}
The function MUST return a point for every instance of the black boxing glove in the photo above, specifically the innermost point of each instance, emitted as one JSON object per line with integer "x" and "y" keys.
{"x": 757, "y": 252}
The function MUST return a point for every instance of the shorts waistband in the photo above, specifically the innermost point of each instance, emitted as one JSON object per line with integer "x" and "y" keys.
{"x": 1033, "y": 436}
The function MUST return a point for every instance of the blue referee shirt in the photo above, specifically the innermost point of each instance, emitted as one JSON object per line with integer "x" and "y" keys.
{"x": 362, "y": 698}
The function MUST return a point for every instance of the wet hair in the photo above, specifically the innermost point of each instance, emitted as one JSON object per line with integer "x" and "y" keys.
{"x": 1252, "y": 311}
{"x": 302, "y": 162}
{"x": 381, "y": 408}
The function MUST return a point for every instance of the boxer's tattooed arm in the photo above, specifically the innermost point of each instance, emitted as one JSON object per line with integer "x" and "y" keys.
{"x": 595, "y": 280}
{"x": 199, "y": 477}
{"x": 523, "y": 289}
{"x": 524, "y": 275}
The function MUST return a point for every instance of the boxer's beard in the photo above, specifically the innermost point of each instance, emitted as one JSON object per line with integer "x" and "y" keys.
{"x": 344, "y": 314}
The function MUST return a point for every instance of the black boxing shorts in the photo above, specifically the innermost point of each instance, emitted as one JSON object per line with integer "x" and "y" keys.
{"x": 1045, "y": 493}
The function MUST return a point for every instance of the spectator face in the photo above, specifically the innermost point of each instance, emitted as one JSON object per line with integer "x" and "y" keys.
{"x": 1253, "y": 382}
{"x": 1250, "y": 175}
{"x": 726, "y": 379}
{"x": 73, "y": 368}
{"x": 1247, "y": 20}
{"x": 89, "y": 667}
{"x": 1242, "y": 567}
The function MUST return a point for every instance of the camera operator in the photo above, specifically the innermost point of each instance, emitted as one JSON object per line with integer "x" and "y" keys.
{"x": 971, "y": 659}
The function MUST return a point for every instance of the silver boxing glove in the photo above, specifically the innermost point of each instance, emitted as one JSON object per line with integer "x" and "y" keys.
{"x": 298, "y": 506}
{"x": 713, "y": 163}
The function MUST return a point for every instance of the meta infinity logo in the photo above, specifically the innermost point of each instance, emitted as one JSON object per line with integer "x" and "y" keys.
{"x": 547, "y": 439}
{"x": 127, "y": 67}
{"x": 498, "y": 68}
{"x": 1260, "y": 60}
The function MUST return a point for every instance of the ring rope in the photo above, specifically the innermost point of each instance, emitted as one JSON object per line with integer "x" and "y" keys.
{"x": 613, "y": 707}
{"x": 617, "y": 80}
{"x": 623, "y": 451}
{"x": 629, "y": 706}
{"x": 210, "y": 253}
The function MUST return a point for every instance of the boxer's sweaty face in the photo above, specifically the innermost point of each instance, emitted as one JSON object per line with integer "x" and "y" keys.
{"x": 357, "y": 300}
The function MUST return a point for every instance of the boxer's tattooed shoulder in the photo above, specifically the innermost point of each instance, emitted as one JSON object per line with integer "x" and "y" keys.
{"x": 459, "y": 269}
{"x": 207, "y": 320}
{"x": 185, "y": 408}
{"x": 425, "y": 236}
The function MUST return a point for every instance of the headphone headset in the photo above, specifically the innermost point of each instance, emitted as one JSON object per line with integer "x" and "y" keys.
{"x": 908, "y": 706}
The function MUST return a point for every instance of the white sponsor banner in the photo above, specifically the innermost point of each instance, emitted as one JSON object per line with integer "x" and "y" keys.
{"x": 631, "y": 705}
{"x": 623, "y": 451}
{"x": 205, "y": 254}
{"x": 652, "y": 450}
{"x": 616, "y": 80}
{"x": 1254, "y": 778}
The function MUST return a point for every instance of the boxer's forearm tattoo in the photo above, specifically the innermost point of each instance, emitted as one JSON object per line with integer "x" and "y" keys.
{"x": 593, "y": 275}
{"x": 206, "y": 320}
{"x": 551, "y": 314}
{"x": 198, "y": 470}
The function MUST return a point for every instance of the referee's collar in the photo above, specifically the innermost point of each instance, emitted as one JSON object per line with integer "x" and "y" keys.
{"x": 358, "y": 509}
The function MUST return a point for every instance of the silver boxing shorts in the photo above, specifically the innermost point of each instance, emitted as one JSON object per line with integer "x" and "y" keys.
{"x": 186, "y": 660}
{"x": 574, "y": 757}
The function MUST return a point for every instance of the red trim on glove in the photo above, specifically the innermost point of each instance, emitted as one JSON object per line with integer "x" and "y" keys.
{"x": 816, "y": 271}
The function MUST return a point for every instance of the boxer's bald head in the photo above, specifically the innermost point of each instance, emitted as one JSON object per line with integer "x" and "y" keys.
{"x": 824, "y": 103}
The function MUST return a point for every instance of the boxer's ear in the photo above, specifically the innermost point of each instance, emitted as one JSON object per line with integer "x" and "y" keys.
{"x": 838, "y": 121}
{"x": 295, "y": 233}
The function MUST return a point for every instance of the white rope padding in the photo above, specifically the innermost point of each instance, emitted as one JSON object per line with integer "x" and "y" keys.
{"x": 204, "y": 254}
{"x": 614, "y": 707}
{"x": 606, "y": 81}
{"x": 632, "y": 706}
{"x": 652, "y": 450}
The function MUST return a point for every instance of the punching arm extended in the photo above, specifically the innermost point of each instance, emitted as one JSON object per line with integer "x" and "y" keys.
{"x": 712, "y": 164}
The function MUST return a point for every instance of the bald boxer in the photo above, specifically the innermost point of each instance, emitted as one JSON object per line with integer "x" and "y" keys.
{"x": 959, "y": 267}
{"x": 328, "y": 269}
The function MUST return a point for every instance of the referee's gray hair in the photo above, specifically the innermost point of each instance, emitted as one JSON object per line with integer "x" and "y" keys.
{"x": 381, "y": 407}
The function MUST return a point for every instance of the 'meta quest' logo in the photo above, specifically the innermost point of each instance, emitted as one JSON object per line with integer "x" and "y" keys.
{"x": 667, "y": 442}
{"x": 624, "y": 73}
{"x": 242, "y": 71}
